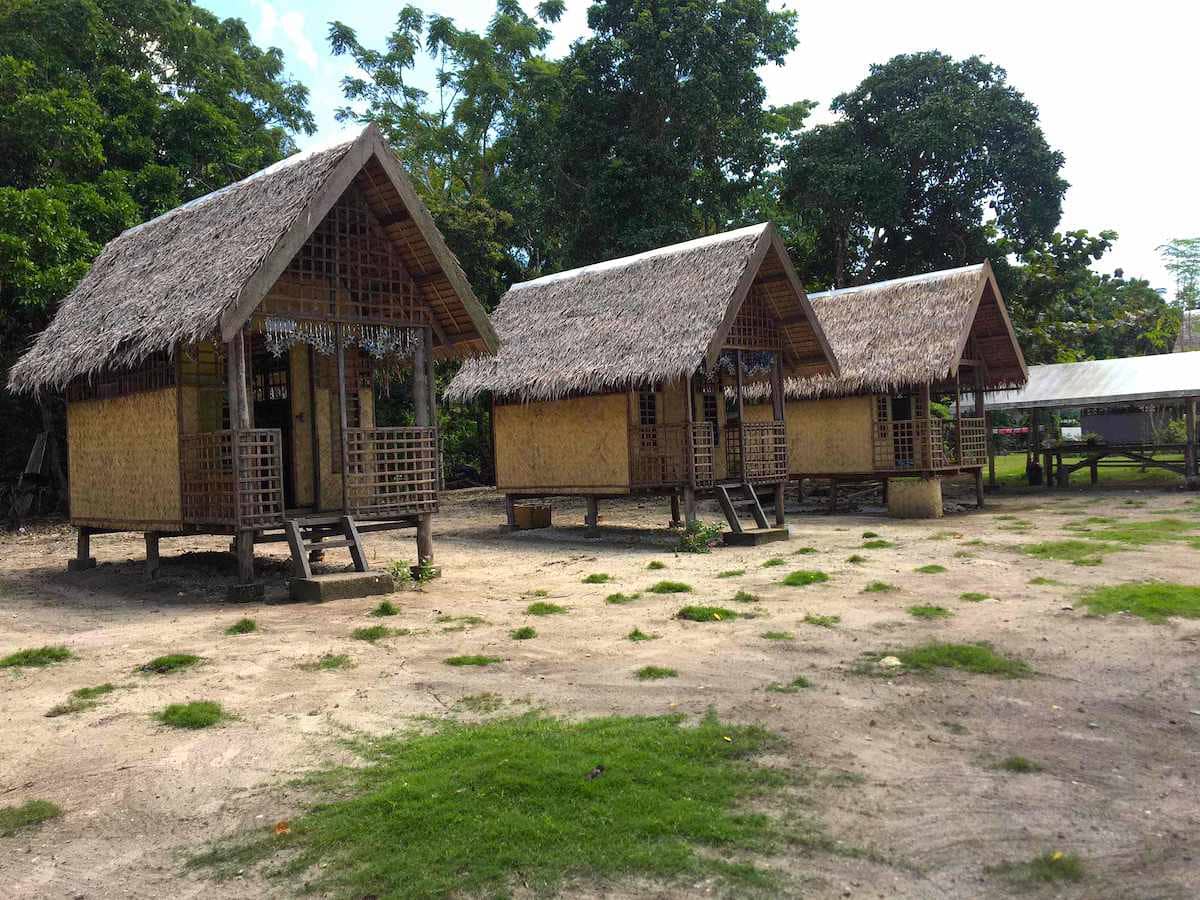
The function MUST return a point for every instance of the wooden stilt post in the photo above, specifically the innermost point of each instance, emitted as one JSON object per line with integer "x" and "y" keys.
{"x": 741, "y": 412}
{"x": 979, "y": 488}
{"x": 83, "y": 551}
{"x": 926, "y": 433}
{"x": 1189, "y": 453}
{"x": 423, "y": 413}
{"x": 676, "y": 521}
{"x": 239, "y": 420}
{"x": 152, "y": 554}
{"x": 592, "y": 518}
{"x": 343, "y": 420}
{"x": 510, "y": 511}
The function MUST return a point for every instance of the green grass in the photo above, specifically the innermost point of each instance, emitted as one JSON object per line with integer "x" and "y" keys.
{"x": 654, "y": 565}
{"x": 242, "y": 626}
{"x": 524, "y": 633}
{"x": 879, "y": 587}
{"x": 638, "y": 635}
{"x": 1010, "y": 472}
{"x": 745, "y": 597}
{"x": 699, "y": 537}
{"x": 867, "y": 535}
{"x": 618, "y": 599}
{"x": 779, "y": 635}
{"x": 81, "y": 700}
{"x": 929, "y": 612}
{"x": 731, "y": 573}
{"x": 172, "y": 662}
{"x": 805, "y": 551}
{"x": 794, "y": 686}
{"x": 945, "y": 535}
{"x": 461, "y": 622}
{"x": 542, "y": 608}
{"x": 531, "y": 804}
{"x": 27, "y": 815}
{"x": 1154, "y": 601}
{"x": 194, "y": 715}
{"x": 1079, "y": 553}
{"x": 486, "y": 702}
{"x": 36, "y": 657}
{"x": 706, "y": 614}
{"x": 774, "y": 561}
{"x": 1018, "y": 765}
{"x": 653, "y": 673}
{"x": 973, "y": 596}
{"x": 856, "y": 559}
{"x": 597, "y": 578}
{"x": 472, "y": 660}
{"x": 1140, "y": 534}
{"x": 877, "y": 545}
{"x": 670, "y": 587}
{"x": 803, "y": 577}
{"x": 931, "y": 569}
{"x": 385, "y": 608}
{"x": 978, "y": 658}
{"x": 327, "y": 662}
{"x": 1048, "y": 868}
{"x": 1042, "y": 580}
{"x": 821, "y": 621}
{"x": 373, "y": 633}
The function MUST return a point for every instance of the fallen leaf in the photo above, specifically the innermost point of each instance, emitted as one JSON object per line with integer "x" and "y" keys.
{"x": 282, "y": 827}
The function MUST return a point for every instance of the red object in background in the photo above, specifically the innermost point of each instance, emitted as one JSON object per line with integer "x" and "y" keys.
{"x": 1024, "y": 429}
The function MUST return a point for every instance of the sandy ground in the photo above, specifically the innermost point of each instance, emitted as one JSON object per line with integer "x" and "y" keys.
{"x": 1112, "y": 714}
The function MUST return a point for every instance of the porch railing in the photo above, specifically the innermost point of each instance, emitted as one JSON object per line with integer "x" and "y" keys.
{"x": 765, "y": 458}
{"x": 659, "y": 455}
{"x": 391, "y": 471}
{"x": 925, "y": 444}
{"x": 232, "y": 478}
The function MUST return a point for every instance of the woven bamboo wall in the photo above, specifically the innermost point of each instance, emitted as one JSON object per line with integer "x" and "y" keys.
{"x": 579, "y": 445}
{"x": 124, "y": 461}
{"x": 825, "y": 436}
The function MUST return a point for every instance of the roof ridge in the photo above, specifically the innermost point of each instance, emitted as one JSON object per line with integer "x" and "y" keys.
{"x": 892, "y": 282}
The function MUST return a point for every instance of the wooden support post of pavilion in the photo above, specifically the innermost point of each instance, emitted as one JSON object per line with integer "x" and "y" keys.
{"x": 239, "y": 420}
{"x": 424, "y": 411}
{"x": 777, "y": 402}
{"x": 689, "y": 490}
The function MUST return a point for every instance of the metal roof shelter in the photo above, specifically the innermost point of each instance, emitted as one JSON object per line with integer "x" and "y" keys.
{"x": 1105, "y": 382}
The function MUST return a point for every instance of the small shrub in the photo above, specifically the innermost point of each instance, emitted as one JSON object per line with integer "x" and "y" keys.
{"x": 542, "y": 608}
{"x": 242, "y": 626}
{"x": 856, "y": 559}
{"x": 877, "y": 545}
{"x": 172, "y": 662}
{"x": 931, "y": 569}
{"x": 385, "y": 608}
{"x": 774, "y": 561}
{"x": 745, "y": 597}
{"x": 972, "y": 596}
{"x": 27, "y": 815}
{"x": 36, "y": 658}
{"x": 778, "y": 635}
{"x": 794, "y": 686}
{"x": 670, "y": 587}
{"x": 706, "y": 614}
{"x": 618, "y": 599}
{"x": 326, "y": 662}
{"x": 597, "y": 578}
{"x": 1019, "y": 765}
{"x": 472, "y": 660}
{"x": 638, "y": 635}
{"x": 373, "y": 633}
{"x": 879, "y": 587}
{"x": 654, "y": 565}
{"x": 821, "y": 621}
{"x": 803, "y": 577}
{"x": 653, "y": 673}
{"x": 425, "y": 572}
{"x": 401, "y": 573}
{"x": 929, "y": 612}
{"x": 194, "y": 715}
{"x": 731, "y": 573}
{"x": 805, "y": 551}
{"x": 699, "y": 537}
{"x": 524, "y": 633}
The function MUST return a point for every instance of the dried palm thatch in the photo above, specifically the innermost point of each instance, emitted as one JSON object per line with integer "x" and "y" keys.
{"x": 897, "y": 334}
{"x": 636, "y": 321}
{"x": 180, "y": 277}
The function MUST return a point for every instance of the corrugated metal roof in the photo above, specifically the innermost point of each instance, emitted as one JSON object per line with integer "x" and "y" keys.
{"x": 1105, "y": 381}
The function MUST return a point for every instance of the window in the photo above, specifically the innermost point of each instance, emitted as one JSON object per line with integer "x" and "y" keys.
{"x": 710, "y": 414}
{"x": 647, "y": 409}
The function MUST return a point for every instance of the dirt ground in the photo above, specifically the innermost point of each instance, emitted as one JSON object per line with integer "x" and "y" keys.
{"x": 1112, "y": 714}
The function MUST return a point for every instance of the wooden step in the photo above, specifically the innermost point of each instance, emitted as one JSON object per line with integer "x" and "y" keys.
{"x": 318, "y": 528}
{"x": 327, "y": 545}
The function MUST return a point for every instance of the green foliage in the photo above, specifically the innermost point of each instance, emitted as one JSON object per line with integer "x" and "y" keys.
{"x": 978, "y": 658}
{"x": 194, "y": 715}
{"x": 27, "y": 815}
{"x": 242, "y": 626}
{"x": 326, "y": 662}
{"x": 1080, "y": 553}
{"x": 486, "y": 702}
{"x": 867, "y": 535}
{"x": 670, "y": 587}
{"x": 803, "y": 577}
{"x": 654, "y": 673}
{"x": 731, "y": 573}
{"x": 778, "y": 636}
{"x": 385, "y": 608}
{"x": 794, "y": 686}
{"x": 373, "y": 633}
{"x": 524, "y": 633}
{"x": 1154, "y": 601}
{"x": 745, "y": 597}
{"x": 654, "y": 565}
{"x": 542, "y": 608}
{"x": 931, "y": 569}
{"x": 879, "y": 587}
{"x": 638, "y": 635}
{"x": 805, "y": 551}
{"x": 929, "y": 612}
{"x": 597, "y": 578}
{"x": 699, "y": 537}
{"x": 618, "y": 599}
{"x": 172, "y": 662}
{"x": 821, "y": 621}
{"x": 472, "y": 660}
{"x": 1041, "y": 580}
{"x": 1049, "y": 867}
{"x": 856, "y": 559}
{"x": 614, "y": 800}
{"x": 401, "y": 573}
{"x": 1181, "y": 257}
{"x": 972, "y": 596}
{"x": 774, "y": 561}
{"x": 706, "y": 614}
{"x": 878, "y": 545}
{"x": 1018, "y": 765}
{"x": 36, "y": 658}
{"x": 80, "y": 700}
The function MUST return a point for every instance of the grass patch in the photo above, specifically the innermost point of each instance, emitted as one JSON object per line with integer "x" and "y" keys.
{"x": 1048, "y": 868}
{"x": 194, "y": 715}
{"x": 172, "y": 662}
{"x": 879, "y": 587}
{"x": 1018, "y": 765}
{"x": 242, "y": 626}
{"x": 610, "y": 799}
{"x": 779, "y": 635}
{"x": 27, "y": 815}
{"x": 597, "y": 578}
{"x": 877, "y": 545}
{"x": 805, "y": 551}
{"x": 978, "y": 658}
{"x": 1151, "y": 600}
{"x": 867, "y": 535}
{"x": 486, "y": 702}
{"x": 373, "y": 633}
{"x": 81, "y": 700}
{"x": 385, "y": 608}
{"x": 972, "y": 596}
{"x": 638, "y": 635}
{"x": 745, "y": 597}
{"x": 653, "y": 673}
{"x": 929, "y": 612}
{"x": 327, "y": 662}
{"x": 1139, "y": 534}
{"x": 931, "y": 569}
{"x": 1042, "y": 580}
{"x": 731, "y": 573}
{"x": 706, "y": 614}
{"x": 1079, "y": 553}
{"x": 670, "y": 587}
{"x": 542, "y": 608}
{"x": 619, "y": 599}
{"x": 803, "y": 577}
{"x": 856, "y": 559}
{"x": 654, "y": 565}
{"x": 37, "y": 657}
{"x": 821, "y": 621}
{"x": 699, "y": 537}
{"x": 794, "y": 686}
{"x": 774, "y": 561}
{"x": 524, "y": 633}
{"x": 472, "y": 660}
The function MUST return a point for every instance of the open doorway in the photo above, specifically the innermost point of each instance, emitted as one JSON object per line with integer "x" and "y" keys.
{"x": 271, "y": 396}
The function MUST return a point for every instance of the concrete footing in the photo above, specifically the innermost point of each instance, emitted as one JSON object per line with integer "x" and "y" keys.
{"x": 915, "y": 498}
{"x": 253, "y": 592}
{"x": 340, "y": 586}
{"x": 754, "y": 536}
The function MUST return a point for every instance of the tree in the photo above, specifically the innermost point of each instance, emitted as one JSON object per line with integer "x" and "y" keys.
{"x": 1182, "y": 259}
{"x": 931, "y": 162}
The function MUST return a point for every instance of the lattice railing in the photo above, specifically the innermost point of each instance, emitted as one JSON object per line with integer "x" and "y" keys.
{"x": 391, "y": 471}
{"x": 925, "y": 444}
{"x": 659, "y": 455}
{"x": 232, "y": 478}
{"x": 764, "y": 458}
{"x": 704, "y": 454}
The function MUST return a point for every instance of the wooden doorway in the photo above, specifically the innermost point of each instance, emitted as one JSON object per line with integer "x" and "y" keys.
{"x": 271, "y": 396}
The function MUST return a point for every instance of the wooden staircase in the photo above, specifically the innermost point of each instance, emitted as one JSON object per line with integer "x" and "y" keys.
{"x": 320, "y": 533}
{"x": 762, "y": 533}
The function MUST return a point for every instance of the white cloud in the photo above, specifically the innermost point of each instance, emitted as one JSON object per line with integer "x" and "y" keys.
{"x": 290, "y": 23}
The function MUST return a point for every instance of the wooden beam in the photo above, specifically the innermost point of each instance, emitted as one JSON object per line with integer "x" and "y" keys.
{"x": 395, "y": 218}
{"x": 339, "y": 335}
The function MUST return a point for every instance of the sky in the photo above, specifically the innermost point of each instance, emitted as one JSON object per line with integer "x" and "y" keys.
{"x": 1116, "y": 84}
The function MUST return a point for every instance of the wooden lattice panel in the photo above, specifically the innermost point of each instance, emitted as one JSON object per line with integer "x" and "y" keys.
{"x": 207, "y": 477}
{"x": 704, "y": 454}
{"x": 974, "y": 441}
{"x": 764, "y": 458}
{"x": 756, "y": 326}
{"x": 259, "y": 477}
{"x": 391, "y": 471}
{"x": 348, "y": 270}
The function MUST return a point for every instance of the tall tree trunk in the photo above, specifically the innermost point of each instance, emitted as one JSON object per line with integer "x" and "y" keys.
{"x": 54, "y": 423}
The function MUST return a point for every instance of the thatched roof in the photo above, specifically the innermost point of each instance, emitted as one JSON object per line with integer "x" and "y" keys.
{"x": 641, "y": 320}
{"x": 198, "y": 271}
{"x": 897, "y": 334}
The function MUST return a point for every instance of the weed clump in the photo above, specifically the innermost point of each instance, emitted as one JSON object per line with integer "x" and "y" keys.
{"x": 931, "y": 569}
{"x": 879, "y": 587}
{"x": 36, "y": 658}
{"x": 541, "y": 608}
{"x": 654, "y": 565}
{"x": 172, "y": 662}
{"x": 929, "y": 612}
{"x": 524, "y": 633}
{"x": 699, "y": 537}
{"x": 706, "y": 614}
{"x": 597, "y": 578}
{"x": 619, "y": 599}
{"x": 972, "y": 596}
{"x": 472, "y": 660}
{"x": 877, "y": 545}
{"x": 774, "y": 561}
{"x": 794, "y": 686}
{"x": 778, "y": 636}
{"x": 821, "y": 621}
{"x": 745, "y": 597}
{"x": 385, "y": 608}
{"x": 638, "y": 635}
{"x": 804, "y": 577}
{"x": 326, "y": 662}
{"x": 670, "y": 587}
{"x": 1018, "y": 765}
{"x": 1153, "y": 601}
{"x": 731, "y": 573}
{"x": 195, "y": 715}
{"x": 27, "y": 815}
{"x": 1048, "y": 868}
{"x": 242, "y": 626}
{"x": 653, "y": 673}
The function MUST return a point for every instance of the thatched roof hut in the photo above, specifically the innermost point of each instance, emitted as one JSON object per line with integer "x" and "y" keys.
{"x": 905, "y": 332}
{"x": 200, "y": 270}
{"x": 642, "y": 320}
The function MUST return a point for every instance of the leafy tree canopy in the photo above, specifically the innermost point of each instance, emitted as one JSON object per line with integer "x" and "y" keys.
{"x": 1182, "y": 258}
